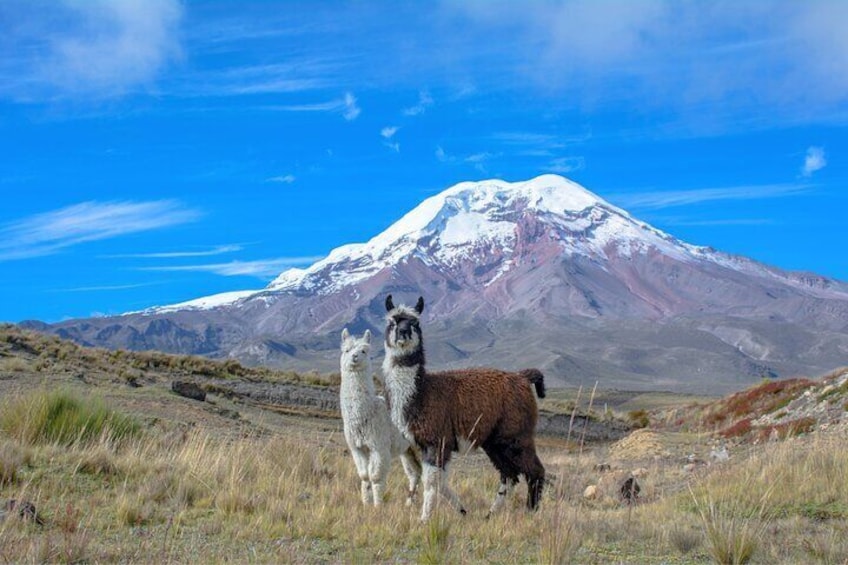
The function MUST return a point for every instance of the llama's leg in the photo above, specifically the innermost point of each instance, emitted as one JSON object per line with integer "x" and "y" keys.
{"x": 360, "y": 458}
{"x": 378, "y": 468}
{"x": 534, "y": 472}
{"x": 504, "y": 490}
{"x": 412, "y": 468}
{"x": 435, "y": 483}
{"x": 509, "y": 475}
{"x": 431, "y": 489}
{"x": 448, "y": 492}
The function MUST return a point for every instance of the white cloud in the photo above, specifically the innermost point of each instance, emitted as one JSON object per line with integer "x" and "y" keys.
{"x": 262, "y": 268}
{"x": 393, "y": 146}
{"x": 567, "y": 164}
{"x": 106, "y": 287}
{"x": 479, "y": 160}
{"x": 389, "y": 131}
{"x": 667, "y": 199}
{"x": 478, "y": 157}
{"x": 100, "y": 48}
{"x": 284, "y": 179}
{"x": 49, "y": 232}
{"x": 753, "y": 60}
{"x": 217, "y": 250}
{"x": 286, "y": 77}
{"x": 351, "y": 109}
{"x": 424, "y": 102}
{"x": 814, "y": 160}
{"x": 346, "y": 106}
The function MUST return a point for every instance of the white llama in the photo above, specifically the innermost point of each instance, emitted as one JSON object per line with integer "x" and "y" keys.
{"x": 372, "y": 437}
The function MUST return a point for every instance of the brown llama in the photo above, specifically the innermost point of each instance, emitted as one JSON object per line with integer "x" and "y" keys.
{"x": 450, "y": 410}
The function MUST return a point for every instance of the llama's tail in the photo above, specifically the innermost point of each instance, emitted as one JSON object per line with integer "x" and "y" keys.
{"x": 536, "y": 377}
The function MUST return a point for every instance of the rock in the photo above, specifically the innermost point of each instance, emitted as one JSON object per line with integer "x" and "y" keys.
{"x": 720, "y": 455}
{"x": 189, "y": 389}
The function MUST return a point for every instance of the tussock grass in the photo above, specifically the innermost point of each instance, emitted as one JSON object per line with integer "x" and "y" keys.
{"x": 64, "y": 418}
{"x": 200, "y": 496}
{"x": 12, "y": 458}
{"x": 732, "y": 534}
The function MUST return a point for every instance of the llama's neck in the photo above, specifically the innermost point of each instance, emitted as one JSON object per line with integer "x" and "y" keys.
{"x": 402, "y": 371}
{"x": 357, "y": 384}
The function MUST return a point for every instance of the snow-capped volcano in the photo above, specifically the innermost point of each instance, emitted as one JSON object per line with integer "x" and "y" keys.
{"x": 496, "y": 226}
{"x": 480, "y": 220}
{"x": 535, "y": 273}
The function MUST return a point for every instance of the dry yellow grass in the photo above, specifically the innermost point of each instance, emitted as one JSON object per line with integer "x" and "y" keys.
{"x": 195, "y": 486}
{"x": 196, "y": 497}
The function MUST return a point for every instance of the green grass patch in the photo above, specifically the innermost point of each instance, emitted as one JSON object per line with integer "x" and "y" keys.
{"x": 63, "y": 418}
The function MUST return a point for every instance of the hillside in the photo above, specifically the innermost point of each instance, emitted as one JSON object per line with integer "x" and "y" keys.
{"x": 240, "y": 477}
{"x": 540, "y": 273}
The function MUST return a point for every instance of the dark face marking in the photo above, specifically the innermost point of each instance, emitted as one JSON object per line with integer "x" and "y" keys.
{"x": 401, "y": 329}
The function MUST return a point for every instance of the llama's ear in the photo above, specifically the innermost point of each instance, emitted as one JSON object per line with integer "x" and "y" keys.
{"x": 345, "y": 335}
{"x": 367, "y": 336}
{"x": 419, "y": 306}
{"x": 389, "y": 304}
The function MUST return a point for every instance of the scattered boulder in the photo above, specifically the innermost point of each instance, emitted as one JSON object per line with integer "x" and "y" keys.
{"x": 720, "y": 454}
{"x": 189, "y": 389}
{"x": 591, "y": 492}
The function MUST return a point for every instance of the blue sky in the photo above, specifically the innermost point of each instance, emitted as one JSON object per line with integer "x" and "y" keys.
{"x": 154, "y": 151}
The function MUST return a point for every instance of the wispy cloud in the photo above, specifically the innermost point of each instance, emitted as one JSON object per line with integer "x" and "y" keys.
{"x": 667, "y": 199}
{"x": 567, "y": 164}
{"x": 94, "y": 48}
{"x": 277, "y": 78}
{"x": 389, "y": 131}
{"x": 105, "y": 288}
{"x": 346, "y": 106}
{"x": 478, "y": 160}
{"x": 217, "y": 250}
{"x": 50, "y": 232}
{"x": 284, "y": 179}
{"x": 351, "y": 108}
{"x": 674, "y": 221}
{"x": 751, "y": 58}
{"x": 424, "y": 102}
{"x": 814, "y": 160}
{"x": 262, "y": 268}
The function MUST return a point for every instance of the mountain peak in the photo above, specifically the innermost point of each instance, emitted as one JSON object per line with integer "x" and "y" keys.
{"x": 535, "y": 273}
{"x": 444, "y": 227}
{"x": 551, "y": 193}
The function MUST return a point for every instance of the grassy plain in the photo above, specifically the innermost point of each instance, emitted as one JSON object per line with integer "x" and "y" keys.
{"x": 165, "y": 479}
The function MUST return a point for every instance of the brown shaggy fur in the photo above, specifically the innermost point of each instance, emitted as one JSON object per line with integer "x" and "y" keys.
{"x": 486, "y": 408}
{"x": 470, "y": 404}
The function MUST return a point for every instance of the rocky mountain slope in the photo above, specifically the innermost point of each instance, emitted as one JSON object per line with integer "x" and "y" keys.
{"x": 537, "y": 273}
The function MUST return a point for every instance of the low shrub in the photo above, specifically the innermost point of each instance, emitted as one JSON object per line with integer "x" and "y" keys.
{"x": 639, "y": 418}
